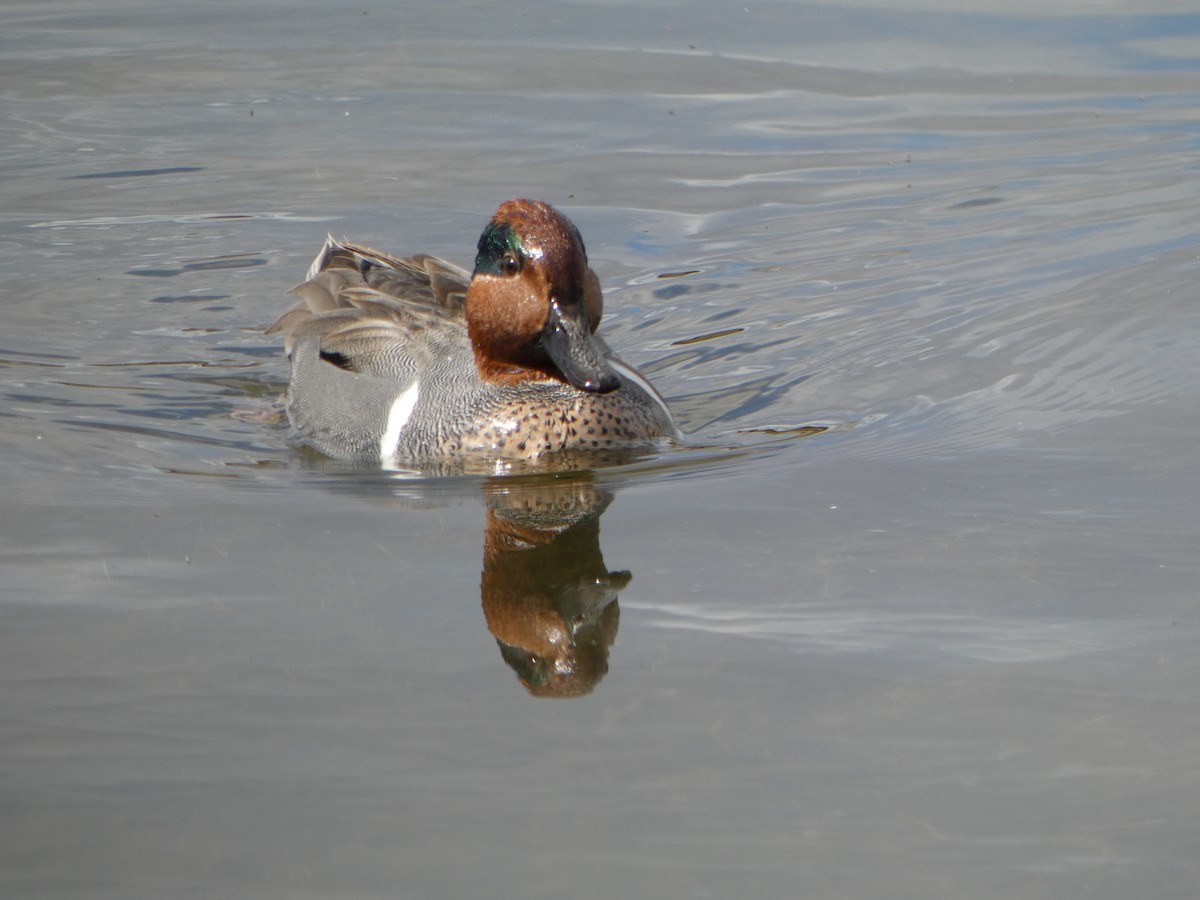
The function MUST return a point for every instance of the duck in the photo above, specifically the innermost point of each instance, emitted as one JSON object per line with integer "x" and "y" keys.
{"x": 405, "y": 360}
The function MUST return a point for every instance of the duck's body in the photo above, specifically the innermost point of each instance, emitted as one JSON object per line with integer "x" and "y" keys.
{"x": 416, "y": 360}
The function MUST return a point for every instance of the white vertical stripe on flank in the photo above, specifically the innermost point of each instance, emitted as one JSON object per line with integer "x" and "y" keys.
{"x": 401, "y": 412}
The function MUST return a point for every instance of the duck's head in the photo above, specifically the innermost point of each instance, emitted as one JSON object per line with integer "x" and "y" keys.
{"x": 534, "y": 303}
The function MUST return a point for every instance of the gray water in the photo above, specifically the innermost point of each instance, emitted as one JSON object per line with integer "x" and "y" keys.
{"x": 912, "y": 615}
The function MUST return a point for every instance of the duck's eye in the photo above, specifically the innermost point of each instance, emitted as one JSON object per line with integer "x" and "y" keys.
{"x": 510, "y": 263}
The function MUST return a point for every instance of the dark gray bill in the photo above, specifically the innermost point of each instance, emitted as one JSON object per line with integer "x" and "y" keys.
{"x": 569, "y": 343}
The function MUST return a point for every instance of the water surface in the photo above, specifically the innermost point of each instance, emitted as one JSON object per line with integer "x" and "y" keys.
{"x": 914, "y": 614}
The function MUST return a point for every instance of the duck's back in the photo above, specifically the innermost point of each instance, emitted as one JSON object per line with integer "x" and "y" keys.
{"x": 366, "y": 328}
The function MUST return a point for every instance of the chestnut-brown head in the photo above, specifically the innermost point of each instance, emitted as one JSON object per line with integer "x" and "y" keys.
{"x": 534, "y": 303}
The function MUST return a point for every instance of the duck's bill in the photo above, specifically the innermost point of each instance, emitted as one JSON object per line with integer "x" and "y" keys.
{"x": 568, "y": 341}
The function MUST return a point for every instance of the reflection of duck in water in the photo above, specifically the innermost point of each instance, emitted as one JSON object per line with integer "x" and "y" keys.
{"x": 413, "y": 360}
{"x": 548, "y": 598}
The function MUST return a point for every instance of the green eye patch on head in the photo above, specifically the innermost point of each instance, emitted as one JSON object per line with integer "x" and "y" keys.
{"x": 500, "y": 250}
